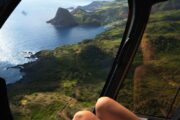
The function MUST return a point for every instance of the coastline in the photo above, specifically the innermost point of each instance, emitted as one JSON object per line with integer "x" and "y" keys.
{"x": 34, "y": 57}
{"x": 57, "y": 35}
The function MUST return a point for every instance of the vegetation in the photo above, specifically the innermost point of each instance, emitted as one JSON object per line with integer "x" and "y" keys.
{"x": 73, "y": 72}
{"x": 108, "y": 13}
{"x": 71, "y": 77}
{"x": 156, "y": 76}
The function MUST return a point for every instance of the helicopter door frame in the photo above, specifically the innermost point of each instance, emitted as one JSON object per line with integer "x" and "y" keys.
{"x": 139, "y": 11}
{"x": 6, "y": 8}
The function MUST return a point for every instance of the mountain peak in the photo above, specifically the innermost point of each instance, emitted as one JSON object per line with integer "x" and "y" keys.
{"x": 63, "y": 18}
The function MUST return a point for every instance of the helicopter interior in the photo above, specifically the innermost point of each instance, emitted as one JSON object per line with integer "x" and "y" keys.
{"x": 133, "y": 60}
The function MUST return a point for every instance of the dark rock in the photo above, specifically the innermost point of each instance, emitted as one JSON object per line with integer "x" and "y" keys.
{"x": 63, "y": 18}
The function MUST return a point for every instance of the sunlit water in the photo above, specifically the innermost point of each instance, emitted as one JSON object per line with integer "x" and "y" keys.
{"x": 26, "y": 32}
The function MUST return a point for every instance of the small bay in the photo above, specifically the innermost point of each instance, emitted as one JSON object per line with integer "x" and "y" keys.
{"x": 26, "y": 32}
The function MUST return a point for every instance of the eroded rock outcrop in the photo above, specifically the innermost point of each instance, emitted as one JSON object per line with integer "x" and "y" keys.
{"x": 63, "y": 18}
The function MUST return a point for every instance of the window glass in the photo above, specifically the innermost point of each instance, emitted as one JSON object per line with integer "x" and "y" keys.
{"x": 154, "y": 77}
{"x": 56, "y": 55}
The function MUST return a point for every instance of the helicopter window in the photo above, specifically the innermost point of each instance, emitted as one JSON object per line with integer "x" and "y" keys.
{"x": 55, "y": 60}
{"x": 153, "y": 83}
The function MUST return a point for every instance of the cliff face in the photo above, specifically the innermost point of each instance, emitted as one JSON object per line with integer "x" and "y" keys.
{"x": 63, "y": 18}
{"x": 93, "y": 6}
{"x": 96, "y": 13}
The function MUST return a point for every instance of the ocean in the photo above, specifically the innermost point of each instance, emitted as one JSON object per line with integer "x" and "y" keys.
{"x": 26, "y": 32}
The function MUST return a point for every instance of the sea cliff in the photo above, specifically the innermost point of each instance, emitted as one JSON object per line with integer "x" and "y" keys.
{"x": 63, "y": 18}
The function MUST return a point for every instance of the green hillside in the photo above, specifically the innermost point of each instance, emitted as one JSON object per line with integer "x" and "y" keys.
{"x": 156, "y": 76}
{"x": 75, "y": 72}
{"x": 71, "y": 77}
{"x": 108, "y": 13}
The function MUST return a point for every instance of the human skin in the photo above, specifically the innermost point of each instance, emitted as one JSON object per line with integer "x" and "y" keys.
{"x": 107, "y": 109}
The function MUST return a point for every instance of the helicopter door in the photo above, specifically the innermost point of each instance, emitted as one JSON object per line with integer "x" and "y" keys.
{"x": 151, "y": 87}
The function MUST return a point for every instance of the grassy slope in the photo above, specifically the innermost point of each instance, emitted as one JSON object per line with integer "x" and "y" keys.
{"x": 74, "y": 72}
{"x": 158, "y": 77}
{"x": 71, "y": 77}
{"x": 108, "y": 13}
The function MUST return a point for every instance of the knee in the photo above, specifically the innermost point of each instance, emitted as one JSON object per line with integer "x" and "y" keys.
{"x": 83, "y": 115}
{"x": 79, "y": 115}
{"x": 103, "y": 104}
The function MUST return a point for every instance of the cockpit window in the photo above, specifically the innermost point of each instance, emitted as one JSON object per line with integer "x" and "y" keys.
{"x": 56, "y": 55}
{"x": 152, "y": 85}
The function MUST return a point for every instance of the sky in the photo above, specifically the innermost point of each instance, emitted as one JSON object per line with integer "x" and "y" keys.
{"x": 67, "y": 3}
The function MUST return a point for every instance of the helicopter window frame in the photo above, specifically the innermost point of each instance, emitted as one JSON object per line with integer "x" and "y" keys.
{"x": 129, "y": 34}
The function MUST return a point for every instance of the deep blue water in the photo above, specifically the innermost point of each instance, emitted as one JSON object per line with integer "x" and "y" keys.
{"x": 27, "y": 31}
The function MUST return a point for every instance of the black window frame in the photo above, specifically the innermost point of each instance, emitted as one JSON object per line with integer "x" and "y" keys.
{"x": 139, "y": 12}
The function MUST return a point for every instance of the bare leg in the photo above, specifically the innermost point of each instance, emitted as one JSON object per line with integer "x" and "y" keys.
{"x": 84, "y": 115}
{"x": 108, "y": 109}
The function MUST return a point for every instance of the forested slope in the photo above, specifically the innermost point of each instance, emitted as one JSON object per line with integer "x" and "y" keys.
{"x": 70, "y": 78}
